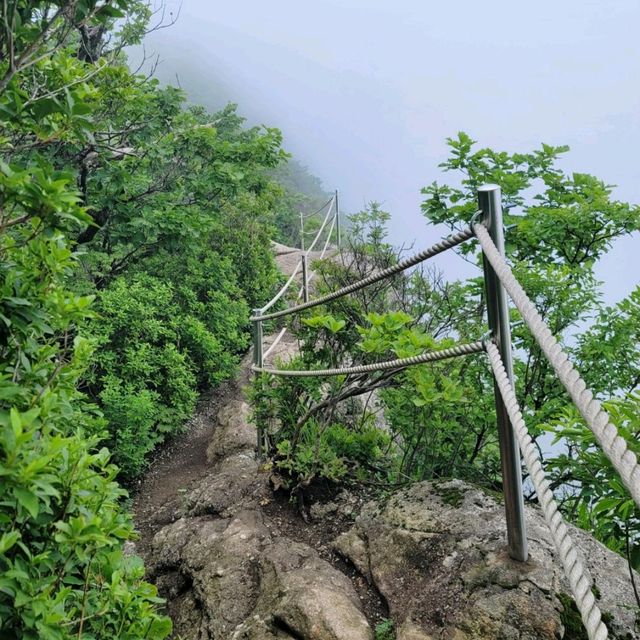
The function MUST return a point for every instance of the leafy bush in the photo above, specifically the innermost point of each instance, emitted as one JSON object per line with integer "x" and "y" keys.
{"x": 158, "y": 341}
{"x": 62, "y": 522}
{"x": 385, "y": 630}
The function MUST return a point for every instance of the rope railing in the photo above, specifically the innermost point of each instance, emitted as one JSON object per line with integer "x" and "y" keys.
{"x": 399, "y": 363}
{"x": 614, "y": 446}
{"x": 581, "y": 585}
{"x": 282, "y": 289}
{"x": 328, "y": 239}
{"x": 513, "y": 436}
{"x": 440, "y": 247}
{"x": 318, "y": 210}
{"x": 299, "y": 265}
{"x": 322, "y": 226}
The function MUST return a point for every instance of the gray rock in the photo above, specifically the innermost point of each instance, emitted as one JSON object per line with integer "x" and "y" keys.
{"x": 234, "y": 431}
{"x": 437, "y": 554}
{"x": 234, "y": 484}
{"x": 245, "y": 584}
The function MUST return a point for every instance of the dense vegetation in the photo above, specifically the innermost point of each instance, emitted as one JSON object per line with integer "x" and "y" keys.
{"x": 134, "y": 239}
{"x": 438, "y": 420}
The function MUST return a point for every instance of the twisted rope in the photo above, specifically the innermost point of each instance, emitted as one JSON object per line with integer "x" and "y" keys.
{"x": 598, "y": 420}
{"x": 447, "y": 243}
{"x": 321, "y": 229}
{"x": 400, "y": 363}
{"x": 581, "y": 586}
{"x": 318, "y": 210}
{"x": 283, "y": 289}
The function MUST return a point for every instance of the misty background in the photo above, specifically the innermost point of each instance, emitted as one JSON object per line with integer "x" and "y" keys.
{"x": 366, "y": 92}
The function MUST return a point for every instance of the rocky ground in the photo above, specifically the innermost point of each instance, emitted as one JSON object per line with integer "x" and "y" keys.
{"x": 236, "y": 561}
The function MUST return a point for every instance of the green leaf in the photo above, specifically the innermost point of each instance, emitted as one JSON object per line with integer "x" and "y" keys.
{"x": 8, "y": 540}
{"x": 28, "y": 500}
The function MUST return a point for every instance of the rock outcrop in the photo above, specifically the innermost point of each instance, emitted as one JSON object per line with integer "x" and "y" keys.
{"x": 437, "y": 554}
{"x": 227, "y": 575}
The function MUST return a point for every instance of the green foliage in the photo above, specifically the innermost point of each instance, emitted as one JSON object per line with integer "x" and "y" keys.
{"x": 62, "y": 570}
{"x": 439, "y": 418}
{"x": 385, "y": 630}
{"x": 111, "y": 190}
{"x": 158, "y": 341}
{"x": 610, "y": 346}
{"x": 592, "y": 492}
{"x": 301, "y": 192}
{"x": 146, "y": 384}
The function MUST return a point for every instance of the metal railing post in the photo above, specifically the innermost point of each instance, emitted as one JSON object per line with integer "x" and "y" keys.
{"x": 301, "y": 231}
{"x": 305, "y": 279}
{"x": 337, "y": 214}
{"x": 489, "y": 200}
{"x": 258, "y": 361}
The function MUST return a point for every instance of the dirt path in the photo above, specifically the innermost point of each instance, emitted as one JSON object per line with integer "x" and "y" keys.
{"x": 183, "y": 467}
{"x": 175, "y": 469}
{"x": 178, "y": 466}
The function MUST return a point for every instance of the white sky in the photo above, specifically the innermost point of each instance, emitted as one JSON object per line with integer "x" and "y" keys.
{"x": 366, "y": 91}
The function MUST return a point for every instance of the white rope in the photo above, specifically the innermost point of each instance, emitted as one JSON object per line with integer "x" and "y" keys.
{"x": 310, "y": 277}
{"x": 274, "y": 344}
{"x": 400, "y": 363}
{"x": 440, "y": 247}
{"x": 283, "y": 289}
{"x": 326, "y": 242}
{"x": 581, "y": 586}
{"x": 322, "y": 226}
{"x": 614, "y": 446}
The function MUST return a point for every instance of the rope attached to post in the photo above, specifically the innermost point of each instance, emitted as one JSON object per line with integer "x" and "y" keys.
{"x": 440, "y": 247}
{"x": 581, "y": 586}
{"x": 400, "y": 363}
{"x": 614, "y": 446}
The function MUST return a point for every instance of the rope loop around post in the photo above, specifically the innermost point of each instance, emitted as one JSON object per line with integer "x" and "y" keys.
{"x": 581, "y": 584}
{"x": 598, "y": 420}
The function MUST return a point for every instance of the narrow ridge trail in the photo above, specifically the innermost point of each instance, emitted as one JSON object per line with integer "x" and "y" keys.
{"x": 159, "y": 495}
{"x": 208, "y": 474}
{"x": 236, "y": 561}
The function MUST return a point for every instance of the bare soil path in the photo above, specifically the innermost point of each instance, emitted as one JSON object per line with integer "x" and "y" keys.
{"x": 181, "y": 463}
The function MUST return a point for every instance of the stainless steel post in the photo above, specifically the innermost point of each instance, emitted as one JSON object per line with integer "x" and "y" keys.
{"x": 305, "y": 279}
{"x": 337, "y": 214}
{"x": 489, "y": 200}
{"x": 258, "y": 361}
{"x": 301, "y": 231}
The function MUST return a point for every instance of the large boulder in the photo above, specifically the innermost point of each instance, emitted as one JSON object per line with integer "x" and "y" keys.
{"x": 230, "y": 578}
{"x": 437, "y": 554}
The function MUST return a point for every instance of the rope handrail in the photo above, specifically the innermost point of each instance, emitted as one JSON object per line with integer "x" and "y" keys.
{"x": 581, "y": 585}
{"x": 614, "y": 446}
{"x": 318, "y": 210}
{"x": 326, "y": 242}
{"x": 445, "y": 244}
{"x": 399, "y": 363}
{"x": 283, "y": 288}
{"x": 298, "y": 266}
{"x": 500, "y": 281}
{"x": 275, "y": 343}
{"x": 322, "y": 226}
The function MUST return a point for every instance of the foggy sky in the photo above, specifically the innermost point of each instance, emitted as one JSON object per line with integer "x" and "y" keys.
{"x": 366, "y": 91}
